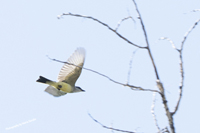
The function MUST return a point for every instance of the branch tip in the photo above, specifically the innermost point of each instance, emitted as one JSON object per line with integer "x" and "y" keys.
{"x": 106, "y": 25}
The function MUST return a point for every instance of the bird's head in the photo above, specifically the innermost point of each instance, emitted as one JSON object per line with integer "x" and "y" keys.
{"x": 78, "y": 89}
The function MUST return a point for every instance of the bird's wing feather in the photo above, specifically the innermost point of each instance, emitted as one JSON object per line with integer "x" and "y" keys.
{"x": 55, "y": 92}
{"x": 70, "y": 73}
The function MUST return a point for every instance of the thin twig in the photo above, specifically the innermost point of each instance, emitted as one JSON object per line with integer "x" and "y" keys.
{"x": 104, "y": 24}
{"x": 112, "y": 127}
{"x": 165, "y": 130}
{"x": 170, "y": 41}
{"x": 119, "y": 23}
{"x": 141, "y": 89}
{"x": 119, "y": 130}
{"x": 181, "y": 65}
{"x": 188, "y": 32}
{"x": 126, "y": 85}
{"x": 153, "y": 113}
{"x": 195, "y": 10}
{"x": 130, "y": 66}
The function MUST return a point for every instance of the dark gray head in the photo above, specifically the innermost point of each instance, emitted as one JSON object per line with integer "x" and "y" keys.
{"x": 78, "y": 89}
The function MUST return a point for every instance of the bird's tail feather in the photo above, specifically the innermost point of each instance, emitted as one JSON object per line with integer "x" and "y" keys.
{"x": 43, "y": 80}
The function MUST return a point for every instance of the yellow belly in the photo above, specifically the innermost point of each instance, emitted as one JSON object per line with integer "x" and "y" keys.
{"x": 61, "y": 86}
{"x": 65, "y": 87}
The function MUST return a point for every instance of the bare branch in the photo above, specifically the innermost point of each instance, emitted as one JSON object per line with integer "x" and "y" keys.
{"x": 146, "y": 39}
{"x": 181, "y": 65}
{"x": 126, "y": 85}
{"x": 181, "y": 83}
{"x": 169, "y": 115}
{"x": 159, "y": 84}
{"x": 187, "y": 33}
{"x": 104, "y": 24}
{"x": 119, "y": 23}
{"x": 141, "y": 89}
{"x": 119, "y": 130}
{"x": 170, "y": 41}
{"x": 153, "y": 113}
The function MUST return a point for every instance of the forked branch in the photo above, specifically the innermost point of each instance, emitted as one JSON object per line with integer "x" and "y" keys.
{"x": 181, "y": 65}
{"x": 104, "y": 24}
{"x": 119, "y": 23}
{"x": 146, "y": 39}
{"x": 170, "y": 41}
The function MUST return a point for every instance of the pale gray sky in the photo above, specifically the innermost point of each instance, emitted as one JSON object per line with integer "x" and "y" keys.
{"x": 30, "y": 30}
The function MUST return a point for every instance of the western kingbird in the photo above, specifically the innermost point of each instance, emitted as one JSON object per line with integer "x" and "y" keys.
{"x": 67, "y": 76}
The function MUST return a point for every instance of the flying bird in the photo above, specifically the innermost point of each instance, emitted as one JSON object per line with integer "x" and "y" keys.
{"x": 68, "y": 75}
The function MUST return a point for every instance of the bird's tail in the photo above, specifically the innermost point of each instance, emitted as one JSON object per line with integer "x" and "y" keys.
{"x": 43, "y": 80}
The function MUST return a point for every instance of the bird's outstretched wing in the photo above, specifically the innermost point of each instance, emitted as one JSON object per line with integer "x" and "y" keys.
{"x": 70, "y": 73}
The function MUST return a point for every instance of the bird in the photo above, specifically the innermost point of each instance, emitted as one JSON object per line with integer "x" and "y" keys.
{"x": 68, "y": 75}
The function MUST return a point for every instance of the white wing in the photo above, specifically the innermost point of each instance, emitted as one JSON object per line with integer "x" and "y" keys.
{"x": 55, "y": 92}
{"x": 70, "y": 73}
